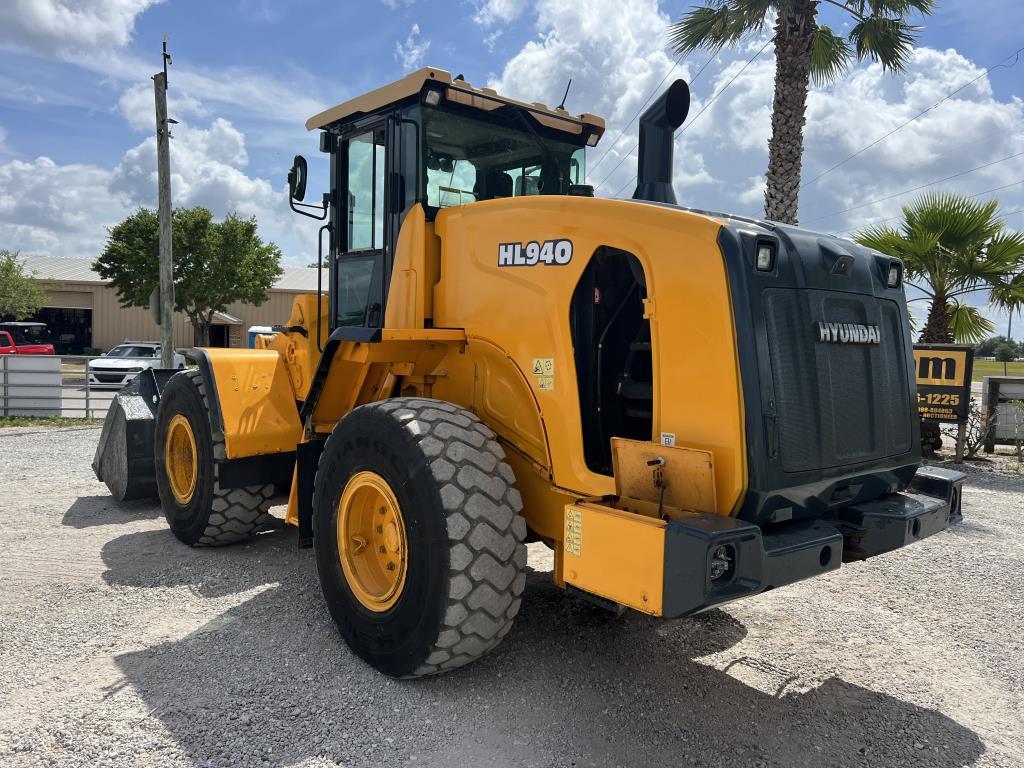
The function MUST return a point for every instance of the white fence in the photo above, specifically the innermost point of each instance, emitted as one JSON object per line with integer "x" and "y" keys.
{"x": 51, "y": 385}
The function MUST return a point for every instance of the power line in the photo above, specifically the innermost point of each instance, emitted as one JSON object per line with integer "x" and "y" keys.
{"x": 1015, "y": 56}
{"x": 722, "y": 90}
{"x": 633, "y": 148}
{"x": 913, "y": 189}
{"x": 969, "y": 197}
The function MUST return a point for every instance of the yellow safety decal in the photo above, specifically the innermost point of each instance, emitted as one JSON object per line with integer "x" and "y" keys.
{"x": 573, "y": 531}
{"x": 544, "y": 369}
{"x": 543, "y": 366}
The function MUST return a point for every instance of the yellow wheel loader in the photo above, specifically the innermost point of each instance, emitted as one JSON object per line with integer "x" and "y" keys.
{"x": 686, "y": 407}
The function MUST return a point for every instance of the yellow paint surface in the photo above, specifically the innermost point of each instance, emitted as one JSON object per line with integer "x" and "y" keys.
{"x": 524, "y": 312}
{"x": 257, "y": 401}
{"x": 617, "y": 555}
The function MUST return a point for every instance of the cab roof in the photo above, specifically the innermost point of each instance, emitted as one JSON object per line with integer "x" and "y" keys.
{"x": 457, "y": 90}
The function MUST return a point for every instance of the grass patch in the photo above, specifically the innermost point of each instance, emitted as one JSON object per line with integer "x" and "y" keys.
{"x": 983, "y": 368}
{"x": 47, "y": 421}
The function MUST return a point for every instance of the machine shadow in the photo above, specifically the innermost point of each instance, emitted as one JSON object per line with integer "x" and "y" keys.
{"x": 571, "y": 685}
{"x": 155, "y": 559}
{"x": 87, "y": 511}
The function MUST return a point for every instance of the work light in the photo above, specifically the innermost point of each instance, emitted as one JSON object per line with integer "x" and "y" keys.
{"x": 765, "y": 257}
{"x": 894, "y": 274}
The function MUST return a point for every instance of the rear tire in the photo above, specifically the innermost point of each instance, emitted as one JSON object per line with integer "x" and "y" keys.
{"x": 210, "y": 516}
{"x": 464, "y": 535}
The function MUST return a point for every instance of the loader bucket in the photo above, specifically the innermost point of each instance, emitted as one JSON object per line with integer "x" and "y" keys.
{"x": 124, "y": 456}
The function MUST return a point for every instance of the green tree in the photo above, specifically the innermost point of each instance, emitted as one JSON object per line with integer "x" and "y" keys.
{"x": 1005, "y": 353}
{"x": 952, "y": 246}
{"x": 987, "y": 348}
{"x": 1008, "y": 295}
{"x": 215, "y": 263}
{"x": 20, "y": 295}
{"x": 804, "y": 50}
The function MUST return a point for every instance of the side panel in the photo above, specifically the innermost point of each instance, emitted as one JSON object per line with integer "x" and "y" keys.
{"x": 596, "y": 560}
{"x": 525, "y": 311}
{"x": 251, "y": 400}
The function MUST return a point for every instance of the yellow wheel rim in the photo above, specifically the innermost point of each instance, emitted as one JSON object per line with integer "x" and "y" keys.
{"x": 180, "y": 460}
{"x": 371, "y": 541}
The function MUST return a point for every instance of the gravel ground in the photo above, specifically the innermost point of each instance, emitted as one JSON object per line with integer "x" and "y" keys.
{"x": 122, "y": 647}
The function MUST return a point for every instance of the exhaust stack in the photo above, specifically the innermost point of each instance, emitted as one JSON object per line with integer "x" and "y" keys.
{"x": 657, "y": 131}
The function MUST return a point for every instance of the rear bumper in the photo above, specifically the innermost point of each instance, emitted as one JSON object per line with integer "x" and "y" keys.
{"x": 763, "y": 559}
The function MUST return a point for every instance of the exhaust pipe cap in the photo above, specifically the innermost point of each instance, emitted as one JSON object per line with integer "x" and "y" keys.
{"x": 658, "y": 125}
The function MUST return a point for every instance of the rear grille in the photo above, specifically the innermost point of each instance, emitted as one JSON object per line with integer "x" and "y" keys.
{"x": 836, "y": 404}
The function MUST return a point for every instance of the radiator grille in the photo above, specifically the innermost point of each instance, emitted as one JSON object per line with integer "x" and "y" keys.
{"x": 836, "y": 404}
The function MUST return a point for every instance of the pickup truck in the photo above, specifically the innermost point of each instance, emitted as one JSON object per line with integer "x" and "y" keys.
{"x": 24, "y": 339}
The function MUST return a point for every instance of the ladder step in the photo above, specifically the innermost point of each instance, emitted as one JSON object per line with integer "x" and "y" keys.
{"x": 639, "y": 346}
{"x": 636, "y": 390}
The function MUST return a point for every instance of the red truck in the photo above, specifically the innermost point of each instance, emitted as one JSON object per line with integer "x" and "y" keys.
{"x": 24, "y": 339}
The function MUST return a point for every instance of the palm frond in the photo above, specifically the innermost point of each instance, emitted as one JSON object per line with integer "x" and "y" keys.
{"x": 964, "y": 223}
{"x": 916, "y": 249}
{"x": 885, "y": 40}
{"x": 899, "y": 7}
{"x": 1008, "y": 294}
{"x": 717, "y": 24}
{"x": 829, "y": 57}
{"x": 968, "y": 324}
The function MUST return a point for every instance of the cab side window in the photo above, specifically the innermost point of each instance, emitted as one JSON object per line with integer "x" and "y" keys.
{"x": 366, "y": 191}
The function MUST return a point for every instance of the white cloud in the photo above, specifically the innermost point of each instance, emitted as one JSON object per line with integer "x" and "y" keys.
{"x": 65, "y": 210}
{"x": 754, "y": 195}
{"x": 969, "y": 130}
{"x": 491, "y": 12}
{"x": 62, "y": 210}
{"x": 137, "y": 106}
{"x": 491, "y": 40}
{"x": 396, "y": 4}
{"x": 58, "y": 27}
{"x": 410, "y": 53}
{"x": 206, "y": 169}
{"x": 613, "y": 51}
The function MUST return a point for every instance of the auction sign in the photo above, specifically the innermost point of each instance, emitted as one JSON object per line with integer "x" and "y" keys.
{"x": 943, "y": 381}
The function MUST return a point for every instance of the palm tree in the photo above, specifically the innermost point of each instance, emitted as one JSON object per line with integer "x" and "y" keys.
{"x": 953, "y": 246}
{"x": 804, "y": 50}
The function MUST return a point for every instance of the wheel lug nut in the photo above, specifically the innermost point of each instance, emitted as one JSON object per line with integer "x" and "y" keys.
{"x": 391, "y": 566}
{"x": 382, "y": 550}
{"x": 380, "y": 529}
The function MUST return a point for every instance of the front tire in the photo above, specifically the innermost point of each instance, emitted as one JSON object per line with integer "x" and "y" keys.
{"x": 450, "y": 540}
{"x": 199, "y": 512}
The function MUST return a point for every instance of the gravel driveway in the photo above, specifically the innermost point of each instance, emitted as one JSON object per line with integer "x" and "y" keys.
{"x": 120, "y": 646}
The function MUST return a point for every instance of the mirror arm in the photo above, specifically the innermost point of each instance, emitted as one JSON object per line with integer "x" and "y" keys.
{"x": 322, "y": 208}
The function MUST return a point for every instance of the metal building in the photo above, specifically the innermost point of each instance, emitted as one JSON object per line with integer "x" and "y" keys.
{"x": 82, "y": 311}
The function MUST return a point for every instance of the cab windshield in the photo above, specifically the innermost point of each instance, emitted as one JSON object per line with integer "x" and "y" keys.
{"x": 131, "y": 350}
{"x": 494, "y": 154}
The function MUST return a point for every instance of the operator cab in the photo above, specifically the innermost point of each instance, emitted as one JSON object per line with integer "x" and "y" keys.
{"x": 432, "y": 140}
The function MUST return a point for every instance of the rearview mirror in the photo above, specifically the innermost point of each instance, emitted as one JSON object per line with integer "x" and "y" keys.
{"x": 297, "y": 179}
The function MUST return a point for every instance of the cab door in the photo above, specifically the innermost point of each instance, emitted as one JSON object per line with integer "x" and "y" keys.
{"x": 362, "y": 254}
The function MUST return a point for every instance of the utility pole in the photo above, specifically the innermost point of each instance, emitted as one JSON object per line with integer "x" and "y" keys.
{"x": 163, "y": 170}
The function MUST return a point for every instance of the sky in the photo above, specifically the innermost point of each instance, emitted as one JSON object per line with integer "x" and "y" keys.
{"x": 77, "y": 151}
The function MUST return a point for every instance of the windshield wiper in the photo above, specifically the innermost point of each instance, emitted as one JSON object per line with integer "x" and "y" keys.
{"x": 543, "y": 147}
